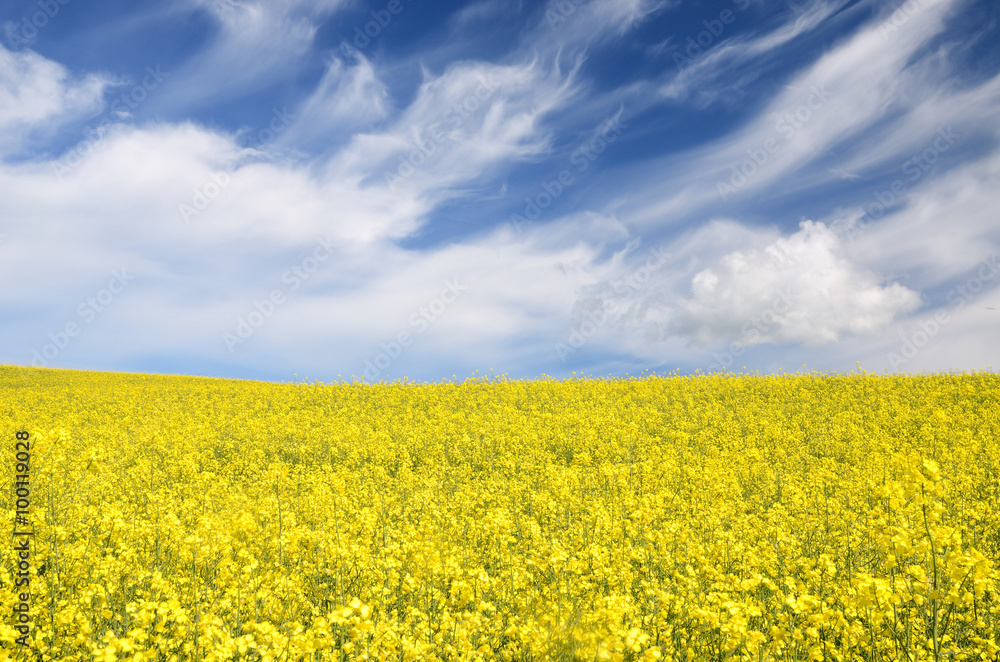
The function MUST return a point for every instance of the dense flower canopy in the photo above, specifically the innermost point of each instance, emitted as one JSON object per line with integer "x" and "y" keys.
{"x": 836, "y": 517}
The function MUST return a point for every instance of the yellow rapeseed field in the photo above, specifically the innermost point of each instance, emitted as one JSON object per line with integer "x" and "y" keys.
{"x": 722, "y": 517}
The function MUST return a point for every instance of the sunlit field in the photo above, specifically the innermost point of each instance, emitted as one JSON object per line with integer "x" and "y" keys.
{"x": 809, "y": 517}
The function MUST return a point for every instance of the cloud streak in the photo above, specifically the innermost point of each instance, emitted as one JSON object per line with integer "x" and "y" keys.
{"x": 382, "y": 173}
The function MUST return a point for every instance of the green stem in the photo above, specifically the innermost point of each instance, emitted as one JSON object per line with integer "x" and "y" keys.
{"x": 934, "y": 610}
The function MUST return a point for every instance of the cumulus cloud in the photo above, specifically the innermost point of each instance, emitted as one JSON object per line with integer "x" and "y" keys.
{"x": 797, "y": 289}
{"x": 800, "y": 289}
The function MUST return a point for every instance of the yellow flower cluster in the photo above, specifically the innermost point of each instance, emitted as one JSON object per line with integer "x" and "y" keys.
{"x": 723, "y": 517}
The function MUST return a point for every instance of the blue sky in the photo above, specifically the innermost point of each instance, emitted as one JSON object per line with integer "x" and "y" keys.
{"x": 323, "y": 188}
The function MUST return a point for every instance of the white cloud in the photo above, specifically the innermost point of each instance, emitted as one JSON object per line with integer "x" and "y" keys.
{"x": 865, "y": 80}
{"x": 944, "y": 227}
{"x": 700, "y": 74}
{"x": 39, "y": 95}
{"x": 258, "y": 43}
{"x": 617, "y": 17}
{"x": 868, "y": 101}
{"x": 566, "y": 25}
{"x": 471, "y": 118}
{"x": 119, "y": 207}
{"x": 349, "y": 97}
{"x": 800, "y": 289}
{"x": 526, "y": 292}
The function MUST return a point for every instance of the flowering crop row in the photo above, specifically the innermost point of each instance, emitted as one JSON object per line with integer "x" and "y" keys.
{"x": 806, "y": 517}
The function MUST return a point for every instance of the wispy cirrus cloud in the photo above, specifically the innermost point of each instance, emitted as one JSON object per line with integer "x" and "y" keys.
{"x": 257, "y": 45}
{"x": 405, "y": 183}
{"x": 38, "y": 95}
{"x": 706, "y": 77}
